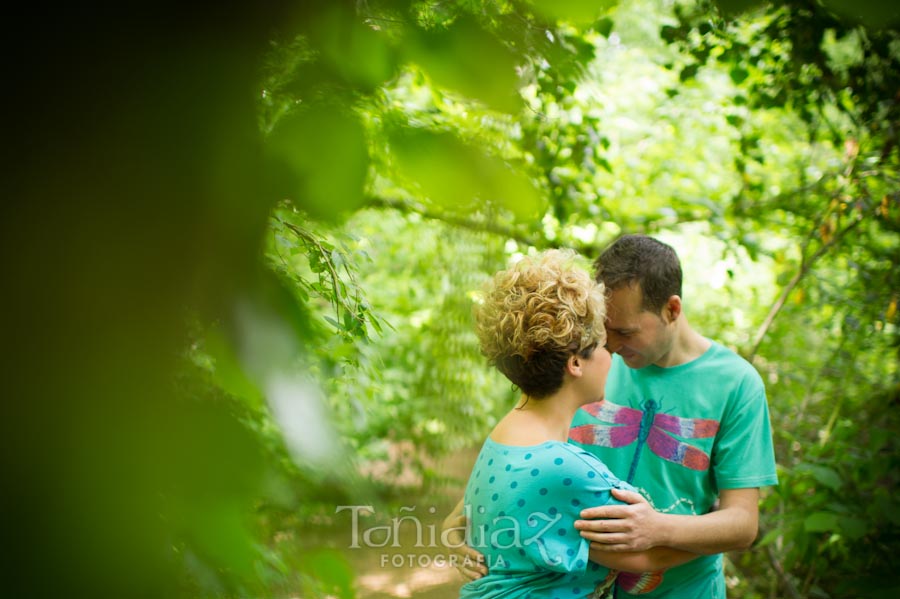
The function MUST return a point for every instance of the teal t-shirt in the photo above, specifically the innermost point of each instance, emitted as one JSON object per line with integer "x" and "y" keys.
{"x": 680, "y": 435}
{"x": 522, "y": 503}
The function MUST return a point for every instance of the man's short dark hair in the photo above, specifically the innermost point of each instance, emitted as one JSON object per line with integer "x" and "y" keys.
{"x": 643, "y": 260}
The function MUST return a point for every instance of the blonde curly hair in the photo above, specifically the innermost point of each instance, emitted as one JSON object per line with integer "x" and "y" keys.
{"x": 537, "y": 314}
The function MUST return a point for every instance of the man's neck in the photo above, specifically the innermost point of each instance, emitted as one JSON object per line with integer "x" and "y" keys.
{"x": 687, "y": 346}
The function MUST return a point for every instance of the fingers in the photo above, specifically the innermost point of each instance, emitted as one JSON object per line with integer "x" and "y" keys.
{"x": 454, "y": 524}
{"x": 609, "y": 536}
{"x": 628, "y": 496}
{"x": 454, "y": 533}
{"x": 606, "y": 511}
{"x": 588, "y": 527}
{"x": 472, "y": 555}
{"x": 612, "y": 547}
{"x": 469, "y": 562}
{"x": 472, "y": 568}
{"x": 607, "y": 533}
{"x": 456, "y": 521}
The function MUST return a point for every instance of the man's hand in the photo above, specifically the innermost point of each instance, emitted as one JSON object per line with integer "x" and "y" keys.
{"x": 468, "y": 561}
{"x": 633, "y": 527}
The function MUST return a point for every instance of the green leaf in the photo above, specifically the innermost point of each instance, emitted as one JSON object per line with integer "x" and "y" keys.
{"x": 854, "y": 528}
{"x": 358, "y": 53}
{"x": 469, "y": 60}
{"x": 319, "y": 159}
{"x": 732, "y": 8}
{"x": 460, "y": 177}
{"x": 668, "y": 34}
{"x": 821, "y": 522}
{"x": 738, "y": 75}
{"x": 827, "y": 476}
{"x": 875, "y": 14}
{"x": 580, "y": 12}
{"x": 228, "y": 373}
{"x": 689, "y": 72}
{"x": 604, "y": 26}
{"x": 770, "y": 537}
{"x": 331, "y": 572}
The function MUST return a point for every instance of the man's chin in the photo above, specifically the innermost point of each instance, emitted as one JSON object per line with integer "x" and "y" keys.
{"x": 635, "y": 361}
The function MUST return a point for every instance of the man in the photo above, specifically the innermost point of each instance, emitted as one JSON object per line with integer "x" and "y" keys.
{"x": 685, "y": 421}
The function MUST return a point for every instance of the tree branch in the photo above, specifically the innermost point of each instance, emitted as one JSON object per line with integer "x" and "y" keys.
{"x": 805, "y": 266}
{"x": 336, "y": 301}
{"x": 782, "y": 575}
{"x": 472, "y": 224}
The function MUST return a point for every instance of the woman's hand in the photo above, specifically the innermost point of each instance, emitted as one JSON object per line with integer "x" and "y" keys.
{"x": 468, "y": 561}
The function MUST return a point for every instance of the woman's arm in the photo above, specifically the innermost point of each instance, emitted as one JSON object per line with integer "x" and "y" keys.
{"x": 650, "y": 560}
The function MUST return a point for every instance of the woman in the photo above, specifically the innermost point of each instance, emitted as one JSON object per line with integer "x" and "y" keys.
{"x": 541, "y": 325}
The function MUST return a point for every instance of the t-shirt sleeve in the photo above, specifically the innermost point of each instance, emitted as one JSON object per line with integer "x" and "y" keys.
{"x": 743, "y": 456}
{"x": 563, "y": 484}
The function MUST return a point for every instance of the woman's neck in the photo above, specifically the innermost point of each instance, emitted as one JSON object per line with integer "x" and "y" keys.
{"x": 535, "y": 421}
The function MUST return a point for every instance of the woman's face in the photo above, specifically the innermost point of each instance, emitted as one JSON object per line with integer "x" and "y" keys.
{"x": 595, "y": 368}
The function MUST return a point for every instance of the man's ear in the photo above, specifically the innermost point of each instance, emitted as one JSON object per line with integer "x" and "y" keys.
{"x": 672, "y": 309}
{"x": 573, "y": 365}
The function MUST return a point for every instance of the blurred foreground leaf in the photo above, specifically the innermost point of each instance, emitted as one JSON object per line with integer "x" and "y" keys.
{"x": 465, "y": 58}
{"x": 581, "y": 12}
{"x": 460, "y": 177}
{"x": 319, "y": 160}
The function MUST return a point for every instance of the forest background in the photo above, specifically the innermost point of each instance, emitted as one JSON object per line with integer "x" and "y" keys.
{"x": 241, "y": 248}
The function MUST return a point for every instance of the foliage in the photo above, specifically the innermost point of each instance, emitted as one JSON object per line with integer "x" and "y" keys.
{"x": 837, "y": 281}
{"x": 253, "y": 281}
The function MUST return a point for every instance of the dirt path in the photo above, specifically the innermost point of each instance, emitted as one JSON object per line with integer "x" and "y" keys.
{"x": 396, "y": 556}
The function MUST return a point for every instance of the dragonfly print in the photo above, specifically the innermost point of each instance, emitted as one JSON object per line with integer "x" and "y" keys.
{"x": 621, "y": 426}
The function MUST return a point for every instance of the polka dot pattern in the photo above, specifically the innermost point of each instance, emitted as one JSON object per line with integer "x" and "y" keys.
{"x": 538, "y": 490}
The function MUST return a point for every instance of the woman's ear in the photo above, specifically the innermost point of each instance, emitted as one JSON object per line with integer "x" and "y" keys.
{"x": 573, "y": 365}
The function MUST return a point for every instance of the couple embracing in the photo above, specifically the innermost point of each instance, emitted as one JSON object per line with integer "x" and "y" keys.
{"x": 614, "y": 475}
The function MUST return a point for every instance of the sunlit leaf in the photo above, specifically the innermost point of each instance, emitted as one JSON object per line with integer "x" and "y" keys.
{"x": 319, "y": 159}
{"x": 331, "y": 571}
{"x": 227, "y": 371}
{"x": 575, "y": 11}
{"x": 460, "y": 177}
{"x": 770, "y": 537}
{"x": 467, "y": 59}
{"x": 354, "y": 49}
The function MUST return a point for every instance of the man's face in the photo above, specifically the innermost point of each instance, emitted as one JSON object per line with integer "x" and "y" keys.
{"x": 640, "y": 337}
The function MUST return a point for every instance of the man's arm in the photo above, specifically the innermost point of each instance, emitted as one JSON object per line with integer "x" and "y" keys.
{"x": 637, "y": 526}
{"x": 651, "y": 560}
{"x": 470, "y": 562}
